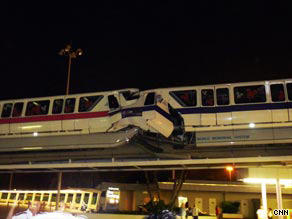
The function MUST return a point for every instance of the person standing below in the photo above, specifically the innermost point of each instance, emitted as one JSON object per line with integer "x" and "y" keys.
{"x": 218, "y": 212}
{"x": 187, "y": 209}
{"x": 33, "y": 210}
{"x": 183, "y": 211}
{"x": 270, "y": 213}
{"x": 261, "y": 213}
{"x": 196, "y": 211}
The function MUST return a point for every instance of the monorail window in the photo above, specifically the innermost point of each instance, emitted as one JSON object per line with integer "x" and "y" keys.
{"x": 128, "y": 95}
{"x": 69, "y": 105}
{"x": 277, "y": 92}
{"x": 86, "y": 104}
{"x": 113, "y": 102}
{"x": 250, "y": 94}
{"x": 6, "y": 112}
{"x": 35, "y": 108}
{"x": 289, "y": 89}
{"x": 58, "y": 106}
{"x": 185, "y": 97}
{"x": 207, "y": 97}
{"x": 222, "y": 96}
{"x": 17, "y": 109}
{"x": 150, "y": 99}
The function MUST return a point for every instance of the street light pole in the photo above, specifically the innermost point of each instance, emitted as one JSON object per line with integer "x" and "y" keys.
{"x": 68, "y": 75}
{"x": 67, "y": 51}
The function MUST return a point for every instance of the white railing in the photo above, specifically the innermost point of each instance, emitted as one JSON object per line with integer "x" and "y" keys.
{"x": 70, "y": 199}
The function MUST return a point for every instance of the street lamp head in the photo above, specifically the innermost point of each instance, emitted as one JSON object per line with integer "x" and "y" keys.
{"x": 67, "y": 51}
{"x": 68, "y": 48}
{"x": 79, "y": 52}
{"x": 62, "y": 52}
{"x": 229, "y": 168}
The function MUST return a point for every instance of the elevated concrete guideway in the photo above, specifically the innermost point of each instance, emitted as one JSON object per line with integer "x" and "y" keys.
{"x": 139, "y": 155}
{"x": 140, "y": 165}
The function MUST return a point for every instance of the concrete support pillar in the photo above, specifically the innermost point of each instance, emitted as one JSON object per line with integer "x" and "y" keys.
{"x": 264, "y": 199}
{"x": 279, "y": 196}
{"x": 59, "y": 190}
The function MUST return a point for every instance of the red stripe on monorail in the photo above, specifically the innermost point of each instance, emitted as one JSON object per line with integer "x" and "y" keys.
{"x": 54, "y": 117}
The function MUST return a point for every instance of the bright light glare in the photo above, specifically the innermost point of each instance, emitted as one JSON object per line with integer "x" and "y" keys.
{"x": 286, "y": 182}
{"x": 229, "y": 168}
{"x": 113, "y": 188}
{"x": 259, "y": 180}
{"x": 35, "y": 134}
{"x": 31, "y": 127}
{"x": 251, "y": 125}
{"x": 32, "y": 148}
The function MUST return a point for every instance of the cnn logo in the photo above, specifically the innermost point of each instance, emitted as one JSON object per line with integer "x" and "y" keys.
{"x": 281, "y": 212}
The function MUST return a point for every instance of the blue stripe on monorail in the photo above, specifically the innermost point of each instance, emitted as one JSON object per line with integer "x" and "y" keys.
{"x": 235, "y": 108}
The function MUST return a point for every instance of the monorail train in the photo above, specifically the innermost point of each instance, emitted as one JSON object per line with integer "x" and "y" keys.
{"x": 74, "y": 121}
{"x": 211, "y": 115}
{"x": 219, "y": 115}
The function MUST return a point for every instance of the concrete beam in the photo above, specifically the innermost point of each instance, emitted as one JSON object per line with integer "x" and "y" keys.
{"x": 189, "y": 163}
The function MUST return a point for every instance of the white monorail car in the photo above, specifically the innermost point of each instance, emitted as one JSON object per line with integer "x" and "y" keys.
{"x": 217, "y": 115}
{"x": 65, "y": 122}
{"x": 233, "y": 114}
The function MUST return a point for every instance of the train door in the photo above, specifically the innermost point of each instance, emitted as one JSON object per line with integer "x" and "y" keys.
{"x": 114, "y": 106}
{"x": 156, "y": 114}
{"x": 223, "y": 115}
{"x": 208, "y": 114}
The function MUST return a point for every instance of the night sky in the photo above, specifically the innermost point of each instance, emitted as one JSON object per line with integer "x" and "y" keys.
{"x": 143, "y": 44}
